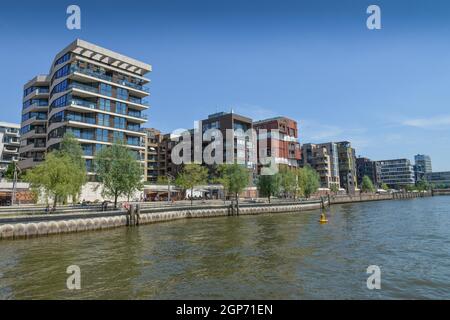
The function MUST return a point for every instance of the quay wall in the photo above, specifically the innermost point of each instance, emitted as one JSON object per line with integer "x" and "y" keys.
{"x": 43, "y": 225}
{"x": 27, "y": 226}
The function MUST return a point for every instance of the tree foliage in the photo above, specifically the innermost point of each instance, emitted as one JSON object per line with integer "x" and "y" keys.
{"x": 57, "y": 177}
{"x": 62, "y": 174}
{"x": 384, "y": 186}
{"x": 234, "y": 178}
{"x": 367, "y": 185}
{"x": 309, "y": 181}
{"x": 192, "y": 175}
{"x": 119, "y": 171}
{"x": 289, "y": 182}
{"x": 334, "y": 188}
{"x": 269, "y": 185}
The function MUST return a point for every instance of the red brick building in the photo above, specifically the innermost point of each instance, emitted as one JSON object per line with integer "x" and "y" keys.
{"x": 284, "y": 146}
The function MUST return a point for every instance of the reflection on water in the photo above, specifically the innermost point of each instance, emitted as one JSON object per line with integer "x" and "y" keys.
{"x": 284, "y": 256}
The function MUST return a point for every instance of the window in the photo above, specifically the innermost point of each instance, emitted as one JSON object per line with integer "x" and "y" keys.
{"x": 60, "y": 87}
{"x": 118, "y": 136}
{"x": 105, "y": 104}
{"x": 102, "y": 135}
{"x": 122, "y": 94}
{"x": 133, "y": 141}
{"x": 88, "y": 149}
{"x": 60, "y": 102}
{"x": 103, "y": 120}
{"x": 63, "y": 59}
{"x": 119, "y": 122}
{"x": 121, "y": 108}
{"x": 105, "y": 89}
{"x": 62, "y": 72}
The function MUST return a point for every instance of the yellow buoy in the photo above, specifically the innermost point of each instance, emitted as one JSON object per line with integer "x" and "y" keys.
{"x": 323, "y": 218}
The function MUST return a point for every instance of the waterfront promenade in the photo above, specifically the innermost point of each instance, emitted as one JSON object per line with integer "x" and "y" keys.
{"x": 16, "y": 223}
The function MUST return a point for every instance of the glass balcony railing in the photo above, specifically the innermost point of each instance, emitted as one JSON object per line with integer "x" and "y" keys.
{"x": 84, "y": 103}
{"x": 83, "y": 87}
{"x": 138, "y": 101}
{"x": 108, "y": 78}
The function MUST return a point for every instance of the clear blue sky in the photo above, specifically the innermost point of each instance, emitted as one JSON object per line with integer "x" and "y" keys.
{"x": 387, "y": 91}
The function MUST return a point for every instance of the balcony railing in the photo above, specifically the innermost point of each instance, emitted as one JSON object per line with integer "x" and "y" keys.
{"x": 83, "y": 87}
{"x": 84, "y": 103}
{"x": 108, "y": 78}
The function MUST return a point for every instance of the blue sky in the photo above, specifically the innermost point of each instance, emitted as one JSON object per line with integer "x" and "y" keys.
{"x": 387, "y": 90}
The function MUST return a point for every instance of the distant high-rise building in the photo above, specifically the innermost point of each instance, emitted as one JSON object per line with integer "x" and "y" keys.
{"x": 422, "y": 165}
{"x": 347, "y": 166}
{"x": 92, "y": 92}
{"x": 324, "y": 159}
{"x": 438, "y": 179}
{"x": 396, "y": 173}
{"x": 367, "y": 167}
{"x": 9, "y": 145}
{"x": 154, "y": 156}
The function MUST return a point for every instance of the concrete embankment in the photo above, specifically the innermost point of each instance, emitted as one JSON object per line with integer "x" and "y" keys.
{"x": 41, "y": 225}
{"x": 75, "y": 220}
{"x": 377, "y": 197}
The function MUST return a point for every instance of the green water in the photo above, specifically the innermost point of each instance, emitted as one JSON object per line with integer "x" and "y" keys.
{"x": 282, "y": 256}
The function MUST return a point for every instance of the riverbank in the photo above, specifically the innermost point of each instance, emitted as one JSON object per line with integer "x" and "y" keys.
{"x": 27, "y": 226}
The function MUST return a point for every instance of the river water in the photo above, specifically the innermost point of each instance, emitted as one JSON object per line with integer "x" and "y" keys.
{"x": 279, "y": 256}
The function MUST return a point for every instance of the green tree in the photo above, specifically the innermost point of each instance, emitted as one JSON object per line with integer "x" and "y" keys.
{"x": 309, "y": 181}
{"x": 71, "y": 147}
{"x": 234, "y": 178}
{"x": 334, "y": 188}
{"x": 384, "y": 186}
{"x": 9, "y": 173}
{"x": 289, "y": 182}
{"x": 192, "y": 175}
{"x": 367, "y": 185}
{"x": 162, "y": 180}
{"x": 119, "y": 171}
{"x": 422, "y": 185}
{"x": 55, "y": 176}
{"x": 269, "y": 185}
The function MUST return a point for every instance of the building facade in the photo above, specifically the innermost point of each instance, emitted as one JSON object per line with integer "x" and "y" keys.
{"x": 155, "y": 155}
{"x": 396, "y": 173}
{"x": 422, "y": 165}
{"x": 438, "y": 179}
{"x": 283, "y": 140}
{"x": 92, "y": 92}
{"x": 324, "y": 159}
{"x": 367, "y": 167}
{"x": 9, "y": 145}
{"x": 347, "y": 166}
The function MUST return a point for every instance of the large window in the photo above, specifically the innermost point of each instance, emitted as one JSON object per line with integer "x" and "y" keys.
{"x": 119, "y": 122}
{"x": 121, "y": 108}
{"x": 103, "y": 120}
{"x": 105, "y": 89}
{"x": 60, "y": 102}
{"x": 102, "y": 135}
{"x": 62, "y": 72}
{"x": 133, "y": 141}
{"x": 119, "y": 136}
{"x": 105, "y": 104}
{"x": 60, "y": 87}
{"x": 122, "y": 94}
{"x": 63, "y": 59}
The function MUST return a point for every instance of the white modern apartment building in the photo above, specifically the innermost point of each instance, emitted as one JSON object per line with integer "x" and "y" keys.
{"x": 9, "y": 145}
{"x": 92, "y": 92}
{"x": 396, "y": 173}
